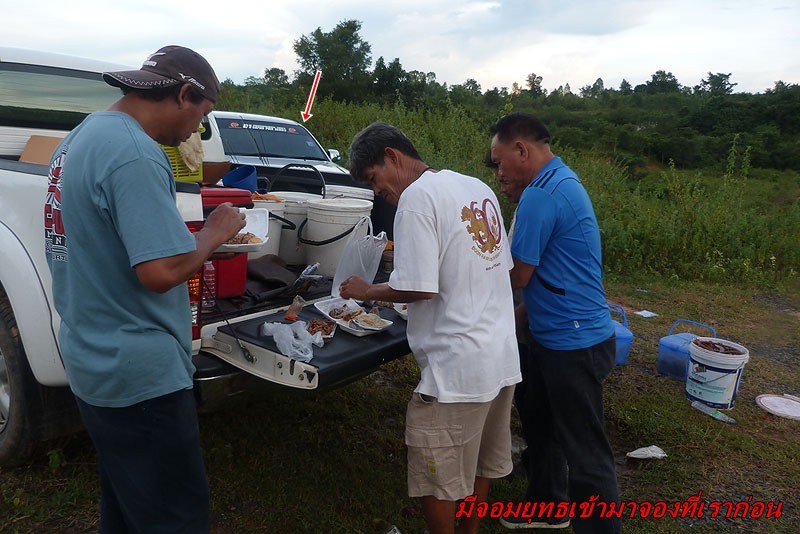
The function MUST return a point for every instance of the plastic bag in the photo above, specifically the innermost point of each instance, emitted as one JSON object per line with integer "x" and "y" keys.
{"x": 361, "y": 256}
{"x": 293, "y": 340}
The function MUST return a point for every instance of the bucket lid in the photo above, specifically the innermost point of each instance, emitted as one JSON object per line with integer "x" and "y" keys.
{"x": 338, "y": 191}
{"x": 782, "y": 405}
{"x": 296, "y": 197}
{"x": 340, "y": 205}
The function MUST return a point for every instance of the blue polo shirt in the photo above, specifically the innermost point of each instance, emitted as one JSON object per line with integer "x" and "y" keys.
{"x": 556, "y": 231}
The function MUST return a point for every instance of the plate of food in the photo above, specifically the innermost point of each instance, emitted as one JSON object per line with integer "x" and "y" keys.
{"x": 253, "y": 236}
{"x": 339, "y": 310}
{"x": 402, "y": 309}
{"x": 370, "y": 321}
{"x": 342, "y": 312}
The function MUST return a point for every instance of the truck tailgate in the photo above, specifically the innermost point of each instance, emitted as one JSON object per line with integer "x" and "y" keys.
{"x": 343, "y": 359}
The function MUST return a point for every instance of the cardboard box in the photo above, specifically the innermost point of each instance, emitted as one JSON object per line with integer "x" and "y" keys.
{"x": 213, "y": 172}
{"x": 39, "y": 149}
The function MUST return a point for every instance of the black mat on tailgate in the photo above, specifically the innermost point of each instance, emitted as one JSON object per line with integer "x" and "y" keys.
{"x": 344, "y": 357}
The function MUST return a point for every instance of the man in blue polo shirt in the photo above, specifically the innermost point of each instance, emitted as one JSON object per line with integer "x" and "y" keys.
{"x": 558, "y": 265}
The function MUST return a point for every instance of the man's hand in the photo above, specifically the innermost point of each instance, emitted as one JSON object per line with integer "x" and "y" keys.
{"x": 354, "y": 287}
{"x": 224, "y": 222}
{"x": 162, "y": 274}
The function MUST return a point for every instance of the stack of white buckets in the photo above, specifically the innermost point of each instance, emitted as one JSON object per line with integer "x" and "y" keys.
{"x": 336, "y": 213}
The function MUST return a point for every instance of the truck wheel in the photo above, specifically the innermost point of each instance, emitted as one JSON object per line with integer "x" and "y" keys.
{"x": 29, "y": 412}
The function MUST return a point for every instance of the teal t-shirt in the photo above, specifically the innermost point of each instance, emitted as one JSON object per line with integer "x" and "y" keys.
{"x": 110, "y": 206}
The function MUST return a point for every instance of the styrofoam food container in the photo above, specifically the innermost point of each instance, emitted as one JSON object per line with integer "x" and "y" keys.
{"x": 257, "y": 223}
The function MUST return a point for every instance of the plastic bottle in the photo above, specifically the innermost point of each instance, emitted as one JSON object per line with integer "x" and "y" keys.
{"x": 209, "y": 286}
{"x": 292, "y": 313}
{"x": 713, "y": 412}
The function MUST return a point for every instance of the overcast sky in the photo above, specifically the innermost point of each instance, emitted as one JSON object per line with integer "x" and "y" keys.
{"x": 496, "y": 42}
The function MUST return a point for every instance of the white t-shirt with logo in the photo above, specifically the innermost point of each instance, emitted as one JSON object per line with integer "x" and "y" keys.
{"x": 450, "y": 240}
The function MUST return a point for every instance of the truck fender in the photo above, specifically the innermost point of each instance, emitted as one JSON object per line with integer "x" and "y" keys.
{"x": 29, "y": 293}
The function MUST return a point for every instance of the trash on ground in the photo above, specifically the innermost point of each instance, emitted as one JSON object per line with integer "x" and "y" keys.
{"x": 645, "y": 313}
{"x": 652, "y": 451}
{"x": 713, "y": 412}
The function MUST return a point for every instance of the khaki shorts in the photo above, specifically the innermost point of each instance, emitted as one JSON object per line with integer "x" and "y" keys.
{"x": 449, "y": 444}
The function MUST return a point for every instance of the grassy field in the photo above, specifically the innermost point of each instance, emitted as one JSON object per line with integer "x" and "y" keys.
{"x": 335, "y": 463}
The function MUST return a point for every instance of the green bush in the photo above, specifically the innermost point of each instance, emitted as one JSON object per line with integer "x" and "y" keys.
{"x": 722, "y": 227}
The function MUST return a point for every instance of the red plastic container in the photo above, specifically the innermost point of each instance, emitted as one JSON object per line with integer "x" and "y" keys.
{"x": 214, "y": 196}
{"x": 231, "y": 276}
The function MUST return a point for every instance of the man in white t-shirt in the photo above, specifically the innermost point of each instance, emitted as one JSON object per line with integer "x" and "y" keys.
{"x": 451, "y": 264}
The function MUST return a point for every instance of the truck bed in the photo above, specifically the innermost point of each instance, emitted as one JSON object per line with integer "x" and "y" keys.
{"x": 342, "y": 359}
{"x": 234, "y": 344}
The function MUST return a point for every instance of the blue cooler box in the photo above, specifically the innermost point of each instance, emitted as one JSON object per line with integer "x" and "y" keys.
{"x": 624, "y": 336}
{"x": 673, "y": 351}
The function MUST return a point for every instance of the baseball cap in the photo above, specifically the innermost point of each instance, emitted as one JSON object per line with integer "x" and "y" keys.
{"x": 170, "y": 65}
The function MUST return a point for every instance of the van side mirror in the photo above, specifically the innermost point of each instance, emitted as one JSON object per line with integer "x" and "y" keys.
{"x": 334, "y": 154}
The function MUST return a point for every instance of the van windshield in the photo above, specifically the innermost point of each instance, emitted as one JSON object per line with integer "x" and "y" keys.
{"x": 268, "y": 139}
{"x": 49, "y": 97}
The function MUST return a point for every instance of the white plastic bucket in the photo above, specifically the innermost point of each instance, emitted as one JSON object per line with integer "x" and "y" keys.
{"x": 273, "y": 244}
{"x": 290, "y": 249}
{"x": 344, "y": 191}
{"x": 331, "y": 219}
{"x": 714, "y": 376}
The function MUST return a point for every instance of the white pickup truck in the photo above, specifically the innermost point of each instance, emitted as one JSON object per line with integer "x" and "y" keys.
{"x": 46, "y": 95}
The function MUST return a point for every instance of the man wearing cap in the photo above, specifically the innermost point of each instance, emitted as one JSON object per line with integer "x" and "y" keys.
{"x": 120, "y": 255}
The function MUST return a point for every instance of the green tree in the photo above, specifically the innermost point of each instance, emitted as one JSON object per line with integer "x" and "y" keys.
{"x": 783, "y": 107}
{"x": 467, "y": 94}
{"x": 276, "y": 77}
{"x": 663, "y": 82}
{"x": 248, "y": 98}
{"x": 472, "y": 86}
{"x": 535, "y": 84}
{"x": 593, "y": 91}
{"x": 496, "y": 97}
{"x": 716, "y": 84}
{"x": 342, "y": 56}
{"x": 388, "y": 79}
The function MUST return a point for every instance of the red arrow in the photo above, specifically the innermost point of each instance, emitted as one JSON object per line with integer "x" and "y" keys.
{"x": 307, "y": 113}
